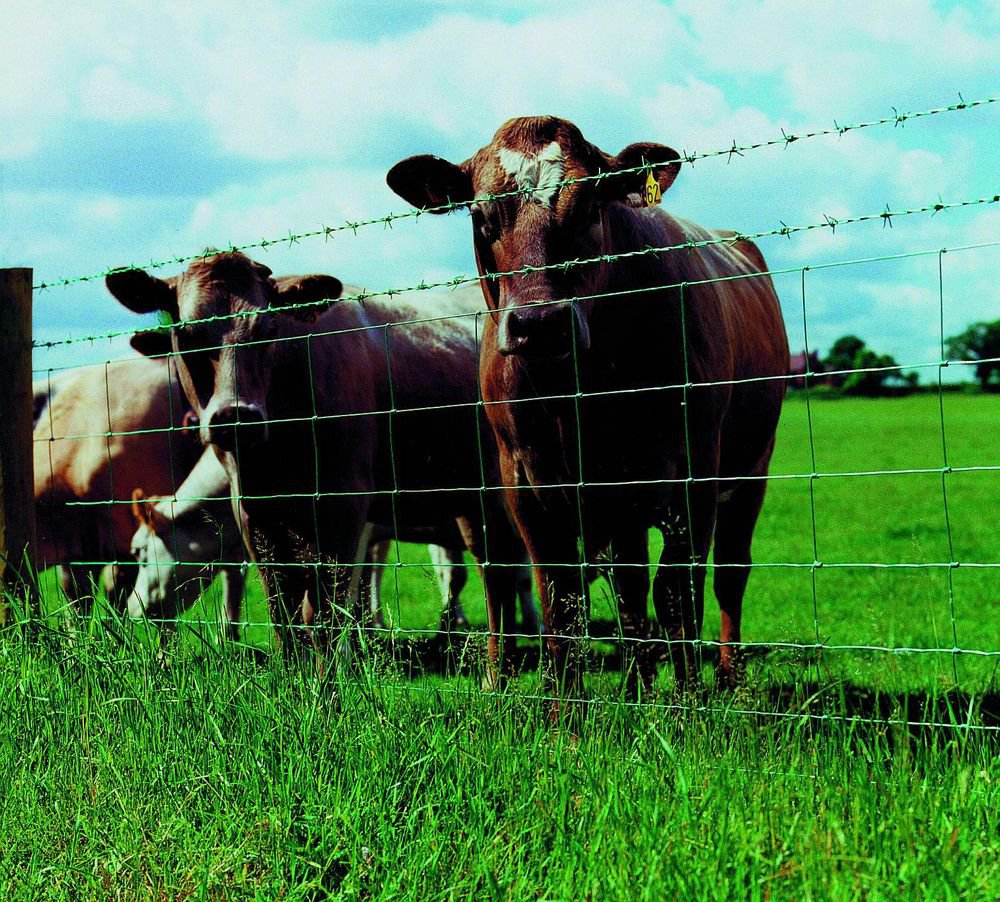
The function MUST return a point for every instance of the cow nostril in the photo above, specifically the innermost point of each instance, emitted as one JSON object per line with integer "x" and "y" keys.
{"x": 518, "y": 323}
{"x": 238, "y": 423}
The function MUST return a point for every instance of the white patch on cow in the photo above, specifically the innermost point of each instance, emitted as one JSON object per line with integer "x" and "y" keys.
{"x": 540, "y": 174}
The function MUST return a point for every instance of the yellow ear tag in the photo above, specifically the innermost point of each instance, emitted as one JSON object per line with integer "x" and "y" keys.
{"x": 652, "y": 195}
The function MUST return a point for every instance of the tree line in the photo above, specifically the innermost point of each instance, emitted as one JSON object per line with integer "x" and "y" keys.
{"x": 853, "y": 368}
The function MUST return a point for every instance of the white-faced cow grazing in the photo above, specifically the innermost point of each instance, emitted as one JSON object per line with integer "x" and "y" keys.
{"x": 329, "y": 416}
{"x": 658, "y": 380}
{"x": 182, "y": 542}
{"x": 107, "y": 430}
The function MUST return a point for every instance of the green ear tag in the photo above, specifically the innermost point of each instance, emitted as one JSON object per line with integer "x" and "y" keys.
{"x": 652, "y": 195}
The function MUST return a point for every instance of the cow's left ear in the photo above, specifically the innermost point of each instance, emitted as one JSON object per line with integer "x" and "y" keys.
{"x": 664, "y": 163}
{"x": 308, "y": 296}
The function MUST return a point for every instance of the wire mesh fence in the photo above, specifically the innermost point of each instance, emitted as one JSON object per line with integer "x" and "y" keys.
{"x": 350, "y": 429}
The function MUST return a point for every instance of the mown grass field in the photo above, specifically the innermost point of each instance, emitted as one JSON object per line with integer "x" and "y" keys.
{"x": 233, "y": 775}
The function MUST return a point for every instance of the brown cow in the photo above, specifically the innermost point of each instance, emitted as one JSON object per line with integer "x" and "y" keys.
{"x": 330, "y": 415}
{"x": 648, "y": 388}
{"x": 107, "y": 430}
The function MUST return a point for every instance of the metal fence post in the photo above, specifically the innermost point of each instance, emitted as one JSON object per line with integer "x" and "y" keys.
{"x": 17, "y": 506}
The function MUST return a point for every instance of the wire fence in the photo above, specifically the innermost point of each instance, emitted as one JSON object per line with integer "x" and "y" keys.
{"x": 871, "y": 510}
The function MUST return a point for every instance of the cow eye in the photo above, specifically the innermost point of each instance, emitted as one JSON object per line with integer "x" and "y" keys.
{"x": 484, "y": 225}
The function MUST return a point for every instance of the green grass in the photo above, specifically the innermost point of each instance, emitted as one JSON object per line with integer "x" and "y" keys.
{"x": 235, "y": 775}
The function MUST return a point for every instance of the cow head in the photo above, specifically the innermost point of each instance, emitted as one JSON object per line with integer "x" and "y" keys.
{"x": 226, "y": 310}
{"x": 539, "y": 223}
{"x": 172, "y": 552}
{"x": 157, "y": 564}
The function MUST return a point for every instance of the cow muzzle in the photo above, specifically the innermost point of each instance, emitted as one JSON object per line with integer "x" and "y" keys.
{"x": 237, "y": 426}
{"x": 542, "y": 330}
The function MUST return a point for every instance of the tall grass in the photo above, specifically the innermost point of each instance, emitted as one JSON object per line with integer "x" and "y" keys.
{"x": 220, "y": 777}
{"x": 834, "y": 774}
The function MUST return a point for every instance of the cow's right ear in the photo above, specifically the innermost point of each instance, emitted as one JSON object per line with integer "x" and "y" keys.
{"x": 145, "y": 512}
{"x": 428, "y": 182}
{"x": 140, "y": 507}
{"x": 140, "y": 292}
{"x": 307, "y": 297}
{"x": 154, "y": 343}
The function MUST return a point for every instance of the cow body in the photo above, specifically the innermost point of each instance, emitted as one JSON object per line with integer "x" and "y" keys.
{"x": 107, "y": 430}
{"x": 327, "y": 421}
{"x": 636, "y": 391}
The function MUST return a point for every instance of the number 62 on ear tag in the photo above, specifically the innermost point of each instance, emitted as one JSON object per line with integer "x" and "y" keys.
{"x": 652, "y": 195}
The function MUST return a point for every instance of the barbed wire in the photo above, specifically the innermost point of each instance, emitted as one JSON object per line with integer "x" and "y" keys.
{"x": 818, "y": 562}
{"x": 353, "y": 226}
{"x": 784, "y": 230}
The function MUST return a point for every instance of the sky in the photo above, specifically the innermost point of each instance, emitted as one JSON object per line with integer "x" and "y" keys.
{"x": 135, "y": 132}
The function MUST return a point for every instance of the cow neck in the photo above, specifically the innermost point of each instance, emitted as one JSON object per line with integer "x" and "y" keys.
{"x": 208, "y": 480}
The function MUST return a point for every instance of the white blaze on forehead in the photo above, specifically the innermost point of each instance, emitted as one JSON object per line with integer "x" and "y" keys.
{"x": 544, "y": 169}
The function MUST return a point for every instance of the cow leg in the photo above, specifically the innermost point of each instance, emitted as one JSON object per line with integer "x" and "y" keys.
{"x": 679, "y": 585}
{"x": 531, "y": 621}
{"x": 733, "y": 535}
{"x": 630, "y": 577}
{"x": 497, "y": 552}
{"x": 449, "y": 569}
{"x": 562, "y": 588}
{"x": 334, "y": 586}
{"x": 369, "y": 608}
{"x": 76, "y": 584}
{"x": 233, "y": 584}
{"x": 284, "y": 585}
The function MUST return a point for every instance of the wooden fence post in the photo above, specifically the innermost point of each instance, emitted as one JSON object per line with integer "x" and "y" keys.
{"x": 17, "y": 496}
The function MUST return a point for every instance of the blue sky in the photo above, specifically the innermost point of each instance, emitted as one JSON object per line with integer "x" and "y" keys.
{"x": 132, "y": 132}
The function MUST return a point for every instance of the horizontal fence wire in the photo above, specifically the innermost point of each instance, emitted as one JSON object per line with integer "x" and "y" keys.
{"x": 735, "y": 150}
{"x": 827, "y": 222}
{"x": 816, "y": 646}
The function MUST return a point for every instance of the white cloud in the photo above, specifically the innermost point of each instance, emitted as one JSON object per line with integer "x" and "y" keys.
{"x": 835, "y": 56}
{"x": 321, "y": 118}
{"x": 106, "y": 94}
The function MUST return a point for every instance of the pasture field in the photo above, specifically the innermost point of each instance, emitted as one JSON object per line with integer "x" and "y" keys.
{"x": 231, "y": 774}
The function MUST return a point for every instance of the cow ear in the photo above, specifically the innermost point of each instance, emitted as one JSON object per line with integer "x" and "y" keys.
{"x": 140, "y": 292}
{"x": 428, "y": 182}
{"x": 308, "y": 296}
{"x": 141, "y": 507}
{"x": 145, "y": 512}
{"x": 154, "y": 343}
{"x": 662, "y": 161}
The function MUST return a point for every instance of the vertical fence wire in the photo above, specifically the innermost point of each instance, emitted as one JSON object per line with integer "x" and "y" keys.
{"x": 945, "y": 471}
{"x": 689, "y": 482}
{"x": 813, "y": 473}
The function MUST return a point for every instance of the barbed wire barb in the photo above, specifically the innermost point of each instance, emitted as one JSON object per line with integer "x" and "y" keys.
{"x": 785, "y": 139}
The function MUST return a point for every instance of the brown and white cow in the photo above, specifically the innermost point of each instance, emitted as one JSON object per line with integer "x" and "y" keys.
{"x": 329, "y": 416}
{"x": 639, "y": 390}
{"x": 107, "y": 429}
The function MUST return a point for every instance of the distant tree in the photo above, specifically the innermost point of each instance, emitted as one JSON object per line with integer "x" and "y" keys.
{"x": 841, "y": 357}
{"x": 980, "y": 341}
{"x": 871, "y": 383}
